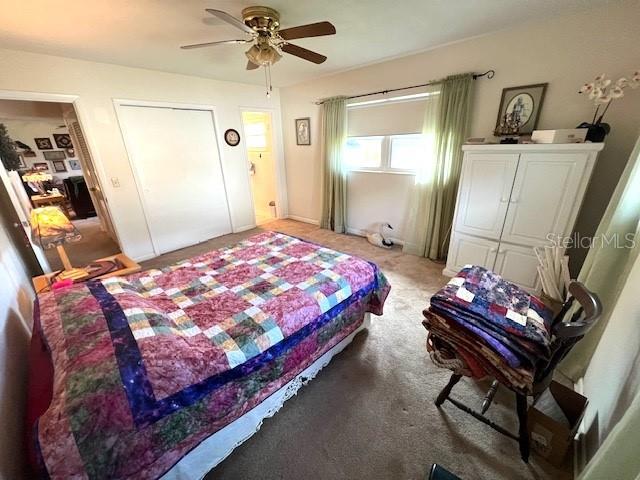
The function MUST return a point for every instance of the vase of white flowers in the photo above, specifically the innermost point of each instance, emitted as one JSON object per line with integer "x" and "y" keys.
{"x": 603, "y": 91}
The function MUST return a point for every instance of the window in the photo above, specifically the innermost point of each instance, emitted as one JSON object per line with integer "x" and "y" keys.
{"x": 363, "y": 152}
{"x": 399, "y": 153}
{"x": 256, "y": 136}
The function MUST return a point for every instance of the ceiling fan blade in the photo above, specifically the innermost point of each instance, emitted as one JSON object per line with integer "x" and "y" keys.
{"x": 230, "y": 20}
{"x": 252, "y": 66}
{"x": 312, "y": 30}
{"x": 303, "y": 53}
{"x": 211, "y": 44}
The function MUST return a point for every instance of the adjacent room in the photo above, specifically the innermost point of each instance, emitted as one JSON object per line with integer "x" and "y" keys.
{"x": 324, "y": 240}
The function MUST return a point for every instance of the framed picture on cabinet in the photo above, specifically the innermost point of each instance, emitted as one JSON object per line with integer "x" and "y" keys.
{"x": 520, "y": 106}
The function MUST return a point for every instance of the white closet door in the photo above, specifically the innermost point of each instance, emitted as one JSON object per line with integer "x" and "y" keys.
{"x": 485, "y": 187}
{"x": 174, "y": 154}
{"x": 545, "y": 197}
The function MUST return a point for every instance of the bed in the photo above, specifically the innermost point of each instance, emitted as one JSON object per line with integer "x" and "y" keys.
{"x": 164, "y": 372}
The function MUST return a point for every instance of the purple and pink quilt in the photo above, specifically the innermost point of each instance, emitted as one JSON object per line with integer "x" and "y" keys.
{"x": 148, "y": 366}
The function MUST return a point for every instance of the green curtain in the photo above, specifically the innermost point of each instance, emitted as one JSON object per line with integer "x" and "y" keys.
{"x": 451, "y": 129}
{"x": 617, "y": 457}
{"x": 334, "y": 179}
{"x": 610, "y": 258}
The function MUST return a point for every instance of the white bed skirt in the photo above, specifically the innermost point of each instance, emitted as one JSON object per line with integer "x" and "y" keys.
{"x": 213, "y": 450}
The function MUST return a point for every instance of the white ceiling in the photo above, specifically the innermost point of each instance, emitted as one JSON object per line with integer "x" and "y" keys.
{"x": 147, "y": 33}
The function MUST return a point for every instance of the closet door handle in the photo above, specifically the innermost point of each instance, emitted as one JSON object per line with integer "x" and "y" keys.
{"x": 493, "y": 250}
{"x": 503, "y": 200}
{"x": 514, "y": 200}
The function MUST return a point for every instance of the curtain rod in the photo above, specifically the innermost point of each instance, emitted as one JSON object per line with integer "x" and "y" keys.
{"x": 489, "y": 74}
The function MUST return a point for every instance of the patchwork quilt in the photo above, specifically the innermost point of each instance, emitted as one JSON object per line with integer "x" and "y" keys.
{"x": 148, "y": 366}
{"x": 482, "y": 325}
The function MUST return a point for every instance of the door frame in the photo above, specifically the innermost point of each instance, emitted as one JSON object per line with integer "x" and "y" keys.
{"x": 78, "y": 107}
{"x": 119, "y": 103}
{"x": 278, "y": 156}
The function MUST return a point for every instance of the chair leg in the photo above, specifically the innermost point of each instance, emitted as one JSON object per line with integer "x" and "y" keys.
{"x": 486, "y": 403}
{"x": 523, "y": 432}
{"x": 442, "y": 396}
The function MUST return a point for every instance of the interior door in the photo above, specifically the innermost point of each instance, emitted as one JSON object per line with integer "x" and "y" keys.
{"x": 543, "y": 197}
{"x": 485, "y": 187}
{"x": 518, "y": 265}
{"x": 469, "y": 250}
{"x": 174, "y": 154}
{"x": 89, "y": 173}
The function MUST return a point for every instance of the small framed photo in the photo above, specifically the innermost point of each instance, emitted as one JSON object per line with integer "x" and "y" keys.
{"x": 63, "y": 140}
{"x": 59, "y": 166}
{"x": 21, "y": 162}
{"x": 43, "y": 143}
{"x": 75, "y": 164}
{"x": 522, "y": 106}
{"x": 54, "y": 155}
{"x": 303, "y": 131}
{"x": 41, "y": 166}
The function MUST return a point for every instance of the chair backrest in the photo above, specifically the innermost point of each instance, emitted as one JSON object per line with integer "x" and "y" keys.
{"x": 567, "y": 332}
{"x": 583, "y": 318}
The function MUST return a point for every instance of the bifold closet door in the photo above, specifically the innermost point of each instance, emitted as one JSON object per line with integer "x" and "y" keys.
{"x": 174, "y": 155}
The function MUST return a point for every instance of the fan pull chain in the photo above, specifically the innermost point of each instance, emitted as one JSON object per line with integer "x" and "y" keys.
{"x": 267, "y": 80}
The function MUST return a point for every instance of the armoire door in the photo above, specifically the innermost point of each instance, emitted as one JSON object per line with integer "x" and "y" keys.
{"x": 485, "y": 187}
{"x": 518, "y": 265}
{"x": 544, "y": 197}
{"x": 175, "y": 159}
{"x": 469, "y": 250}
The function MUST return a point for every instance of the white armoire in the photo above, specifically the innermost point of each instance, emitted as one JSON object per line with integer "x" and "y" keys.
{"x": 512, "y": 198}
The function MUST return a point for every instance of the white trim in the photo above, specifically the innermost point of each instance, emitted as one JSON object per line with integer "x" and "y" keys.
{"x": 118, "y": 104}
{"x": 304, "y": 219}
{"x": 199, "y": 461}
{"x": 244, "y": 228}
{"x": 414, "y": 97}
{"x": 363, "y": 233}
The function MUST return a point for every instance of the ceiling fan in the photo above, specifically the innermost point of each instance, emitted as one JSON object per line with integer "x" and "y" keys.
{"x": 268, "y": 42}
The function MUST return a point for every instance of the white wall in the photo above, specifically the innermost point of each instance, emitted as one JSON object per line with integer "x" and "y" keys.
{"x": 97, "y": 85}
{"x": 16, "y": 296}
{"x": 613, "y": 377}
{"x": 27, "y": 130}
{"x": 565, "y": 52}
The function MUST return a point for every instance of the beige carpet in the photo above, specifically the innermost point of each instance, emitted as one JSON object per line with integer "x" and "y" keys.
{"x": 370, "y": 414}
{"x": 94, "y": 244}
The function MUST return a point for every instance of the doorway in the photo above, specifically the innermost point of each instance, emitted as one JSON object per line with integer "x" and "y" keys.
{"x": 51, "y": 166}
{"x": 258, "y": 133}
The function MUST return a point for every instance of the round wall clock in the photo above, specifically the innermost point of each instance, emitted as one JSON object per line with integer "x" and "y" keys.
{"x": 232, "y": 137}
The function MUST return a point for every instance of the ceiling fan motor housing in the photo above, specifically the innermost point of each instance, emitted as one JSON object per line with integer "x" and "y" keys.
{"x": 261, "y": 19}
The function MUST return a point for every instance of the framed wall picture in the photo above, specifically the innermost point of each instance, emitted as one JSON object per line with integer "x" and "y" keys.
{"x": 521, "y": 105}
{"x": 21, "y": 162}
{"x": 63, "y": 140}
{"x": 59, "y": 166}
{"x": 75, "y": 164}
{"x": 43, "y": 143}
{"x": 44, "y": 166}
{"x": 303, "y": 131}
{"x": 54, "y": 155}
{"x": 232, "y": 137}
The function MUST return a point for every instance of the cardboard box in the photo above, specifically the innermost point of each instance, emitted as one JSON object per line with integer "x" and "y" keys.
{"x": 570, "y": 135}
{"x": 550, "y": 438}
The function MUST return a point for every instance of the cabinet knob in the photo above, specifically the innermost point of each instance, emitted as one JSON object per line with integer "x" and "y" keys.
{"x": 503, "y": 200}
{"x": 514, "y": 200}
{"x": 493, "y": 250}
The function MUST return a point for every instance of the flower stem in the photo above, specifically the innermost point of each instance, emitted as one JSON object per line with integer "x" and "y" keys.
{"x": 595, "y": 114}
{"x": 605, "y": 111}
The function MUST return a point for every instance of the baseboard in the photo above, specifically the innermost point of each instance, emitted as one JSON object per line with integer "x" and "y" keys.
{"x": 364, "y": 233}
{"x": 143, "y": 258}
{"x": 304, "y": 219}
{"x": 244, "y": 228}
{"x": 449, "y": 273}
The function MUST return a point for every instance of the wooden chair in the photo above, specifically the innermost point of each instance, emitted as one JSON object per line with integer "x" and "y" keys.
{"x": 565, "y": 334}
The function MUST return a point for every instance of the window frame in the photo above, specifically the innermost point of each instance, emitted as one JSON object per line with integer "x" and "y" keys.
{"x": 385, "y": 157}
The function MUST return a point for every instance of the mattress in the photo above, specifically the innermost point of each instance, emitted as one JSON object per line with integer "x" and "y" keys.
{"x": 146, "y": 367}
